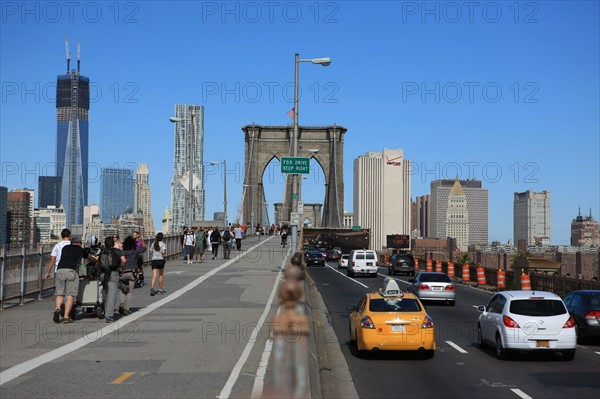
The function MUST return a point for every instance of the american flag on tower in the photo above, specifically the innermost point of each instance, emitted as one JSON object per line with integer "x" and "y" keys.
{"x": 291, "y": 113}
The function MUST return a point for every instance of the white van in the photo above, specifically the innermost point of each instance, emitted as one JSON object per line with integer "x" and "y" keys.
{"x": 362, "y": 261}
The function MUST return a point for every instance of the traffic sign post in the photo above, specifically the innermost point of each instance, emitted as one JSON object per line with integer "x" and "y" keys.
{"x": 300, "y": 207}
{"x": 297, "y": 165}
{"x": 295, "y": 218}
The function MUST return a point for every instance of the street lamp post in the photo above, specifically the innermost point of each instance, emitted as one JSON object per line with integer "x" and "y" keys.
{"x": 224, "y": 189}
{"x": 190, "y": 167}
{"x": 294, "y": 143}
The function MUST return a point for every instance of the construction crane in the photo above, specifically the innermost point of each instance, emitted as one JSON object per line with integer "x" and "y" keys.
{"x": 68, "y": 54}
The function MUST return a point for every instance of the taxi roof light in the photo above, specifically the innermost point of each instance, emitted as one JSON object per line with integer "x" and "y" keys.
{"x": 390, "y": 288}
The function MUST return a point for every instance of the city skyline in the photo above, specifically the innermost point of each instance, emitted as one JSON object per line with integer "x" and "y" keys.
{"x": 415, "y": 81}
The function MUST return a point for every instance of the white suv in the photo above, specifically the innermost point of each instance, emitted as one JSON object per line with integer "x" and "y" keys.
{"x": 362, "y": 261}
{"x": 527, "y": 321}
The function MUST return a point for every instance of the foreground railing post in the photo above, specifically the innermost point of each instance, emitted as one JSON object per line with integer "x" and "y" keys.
{"x": 2, "y": 258}
{"x": 40, "y": 272}
{"x": 22, "y": 282}
{"x": 290, "y": 330}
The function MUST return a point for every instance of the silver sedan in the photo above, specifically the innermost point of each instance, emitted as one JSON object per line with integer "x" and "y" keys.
{"x": 430, "y": 286}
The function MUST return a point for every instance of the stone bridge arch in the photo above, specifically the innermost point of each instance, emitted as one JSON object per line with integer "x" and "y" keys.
{"x": 263, "y": 143}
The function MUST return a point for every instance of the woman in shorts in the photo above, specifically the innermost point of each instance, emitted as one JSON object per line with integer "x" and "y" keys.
{"x": 158, "y": 251}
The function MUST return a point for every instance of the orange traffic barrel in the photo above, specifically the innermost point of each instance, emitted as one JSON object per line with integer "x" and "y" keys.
{"x": 466, "y": 276}
{"x": 501, "y": 279}
{"x": 416, "y": 264}
{"x": 450, "y": 269}
{"x": 480, "y": 275}
{"x": 429, "y": 265}
{"x": 525, "y": 282}
{"x": 438, "y": 265}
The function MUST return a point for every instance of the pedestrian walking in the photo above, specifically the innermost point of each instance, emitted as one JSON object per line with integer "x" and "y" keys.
{"x": 65, "y": 234}
{"x": 238, "y": 235}
{"x": 127, "y": 280}
{"x": 67, "y": 278}
{"x": 190, "y": 243}
{"x": 227, "y": 241}
{"x": 284, "y": 235}
{"x": 111, "y": 261}
{"x": 158, "y": 251}
{"x": 208, "y": 243}
{"x": 200, "y": 244}
{"x": 215, "y": 240}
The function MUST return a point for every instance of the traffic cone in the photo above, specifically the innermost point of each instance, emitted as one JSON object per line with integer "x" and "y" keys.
{"x": 429, "y": 265}
{"x": 450, "y": 269}
{"x": 501, "y": 279}
{"x": 438, "y": 266}
{"x": 466, "y": 275}
{"x": 416, "y": 264}
{"x": 525, "y": 282}
{"x": 480, "y": 275}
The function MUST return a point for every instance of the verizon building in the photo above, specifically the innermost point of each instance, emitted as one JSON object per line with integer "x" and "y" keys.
{"x": 477, "y": 209}
{"x": 382, "y": 194}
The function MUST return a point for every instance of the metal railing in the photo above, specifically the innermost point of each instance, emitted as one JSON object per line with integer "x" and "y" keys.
{"x": 23, "y": 274}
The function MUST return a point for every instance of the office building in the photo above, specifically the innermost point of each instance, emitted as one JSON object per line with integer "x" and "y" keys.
{"x": 49, "y": 188}
{"x": 477, "y": 208}
{"x": 167, "y": 222}
{"x": 142, "y": 201}
{"x": 72, "y": 140}
{"x": 116, "y": 192}
{"x": 57, "y": 219}
{"x": 187, "y": 146}
{"x": 3, "y": 216}
{"x": 457, "y": 217}
{"x": 348, "y": 220}
{"x": 382, "y": 194}
{"x": 422, "y": 216}
{"x": 585, "y": 231}
{"x": 532, "y": 217}
{"x": 19, "y": 219}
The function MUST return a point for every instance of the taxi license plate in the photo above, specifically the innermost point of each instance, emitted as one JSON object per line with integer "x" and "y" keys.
{"x": 542, "y": 344}
{"x": 398, "y": 328}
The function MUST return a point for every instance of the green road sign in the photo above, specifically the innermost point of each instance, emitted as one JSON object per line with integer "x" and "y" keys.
{"x": 295, "y": 165}
{"x": 355, "y": 228}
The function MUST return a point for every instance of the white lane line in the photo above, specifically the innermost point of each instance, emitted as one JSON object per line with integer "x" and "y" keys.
{"x": 259, "y": 380}
{"x": 521, "y": 393}
{"x": 235, "y": 373}
{"x": 348, "y": 277}
{"x": 597, "y": 353}
{"x": 27, "y": 366}
{"x": 458, "y": 348}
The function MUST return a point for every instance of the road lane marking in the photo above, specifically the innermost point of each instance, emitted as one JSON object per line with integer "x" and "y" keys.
{"x": 235, "y": 373}
{"x": 122, "y": 378}
{"x": 458, "y": 348}
{"x": 348, "y": 277}
{"x": 259, "y": 380}
{"x": 31, "y": 364}
{"x": 521, "y": 393}
{"x": 597, "y": 353}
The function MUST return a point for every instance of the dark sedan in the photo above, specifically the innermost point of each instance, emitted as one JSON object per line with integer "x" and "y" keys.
{"x": 402, "y": 264}
{"x": 315, "y": 258}
{"x": 584, "y": 307}
{"x": 333, "y": 255}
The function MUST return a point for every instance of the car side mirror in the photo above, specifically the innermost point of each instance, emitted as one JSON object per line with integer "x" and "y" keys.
{"x": 351, "y": 308}
{"x": 411, "y": 280}
{"x": 481, "y": 308}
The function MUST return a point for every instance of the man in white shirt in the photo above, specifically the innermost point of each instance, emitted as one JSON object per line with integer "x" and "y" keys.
{"x": 238, "y": 234}
{"x": 57, "y": 250}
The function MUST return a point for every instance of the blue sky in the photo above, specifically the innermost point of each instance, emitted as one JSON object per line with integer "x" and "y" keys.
{"x": 506, "y": 92}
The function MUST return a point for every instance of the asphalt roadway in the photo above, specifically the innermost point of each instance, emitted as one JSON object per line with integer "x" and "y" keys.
{"x": 208, "y": 336}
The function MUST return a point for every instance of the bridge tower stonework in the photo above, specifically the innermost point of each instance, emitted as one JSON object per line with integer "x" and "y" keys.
{"x": 263, "y": 143}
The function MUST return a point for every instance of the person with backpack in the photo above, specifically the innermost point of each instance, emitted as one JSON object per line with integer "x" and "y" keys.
{"x": 111, "y": 262}
{"x": 215, "y": 240}
{"x": 190, "y": 243}
{"x": 158, "y": 251}
{"x": 127, "y": 280}
{"x": 200, "y": 244}
{"x": 227, "y": 240}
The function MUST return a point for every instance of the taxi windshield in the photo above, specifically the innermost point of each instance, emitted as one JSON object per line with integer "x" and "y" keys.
{"x": 394, "y": 305}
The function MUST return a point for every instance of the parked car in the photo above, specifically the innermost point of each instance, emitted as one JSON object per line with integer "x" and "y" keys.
{"x": 343, "y": 262}
{"x": 527, "y": 321}
{"x": 584, "y": 307}
{"x": 432, "y": 286}
{"x": 315, "y": 258}
{"x": 332, "y": 255}
{"x": 401, "y": 263}
{"x": 363, "y": 262}
{"x": 391, "y": 320}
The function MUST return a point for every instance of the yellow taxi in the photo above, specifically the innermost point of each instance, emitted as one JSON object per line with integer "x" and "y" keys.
{"x": 391, "y": 320}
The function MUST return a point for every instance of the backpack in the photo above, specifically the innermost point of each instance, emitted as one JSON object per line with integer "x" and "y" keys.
{"x": 226, "y": 235}
{"x": 110, "y": 260}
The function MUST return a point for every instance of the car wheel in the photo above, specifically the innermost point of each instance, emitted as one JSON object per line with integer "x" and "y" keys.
{"x": 428, "y": 354}
{"x": 451, "y": 303}
{"x": 480, "y": 337}
{"x": 568, "y": 354}
{"x": 500, "y": 351}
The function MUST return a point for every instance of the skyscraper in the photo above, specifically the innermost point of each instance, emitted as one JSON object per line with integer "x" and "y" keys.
{"x": 72, "y": 107}
{"x": 477, "y": 208}
{"x": 532, "y": 217}
{"x": 116, "y": 192}
{"x": 423, "y": 215}
{"x": 181, "y": 159}
{"x": 585, "y": 231}
{"x": 3, "y": 215}
{"x": 49, "y": 188}
{"x": 142, "y": 201}
{"x": 382, "y": 194}
{"x": 457, "y": 217}
{"x": 18, "y": 219}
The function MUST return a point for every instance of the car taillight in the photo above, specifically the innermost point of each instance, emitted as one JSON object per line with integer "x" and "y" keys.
{"x": 510, "y": 323}
{"x": 593, "y": 315}
{"x": 353, "y": 263}
{"x": 366, "y": 322}
{"x": 570, "y": 323}
{"x": 376, "y": 263}
{"x": 449, "y": 288}
{"x": 423, "y": 287}
{"x": 427, "y": 322}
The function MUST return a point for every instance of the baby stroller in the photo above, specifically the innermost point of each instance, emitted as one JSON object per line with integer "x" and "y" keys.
{"x": 139, "y": 272}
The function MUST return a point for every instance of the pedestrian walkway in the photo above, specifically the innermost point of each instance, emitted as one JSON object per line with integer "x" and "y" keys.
{"x": 205, "y": 337}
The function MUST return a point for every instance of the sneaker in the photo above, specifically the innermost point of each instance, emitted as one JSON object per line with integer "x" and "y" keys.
{"x": 56, "y": 317}
{"x": 110, "y": 320}
{"x": 152, "y": 292}
{"x": 160, "y": 292}
{"x": 121, "y": 309}
{"x": 67, "y": 320}
{"x": 126, "y": 312}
